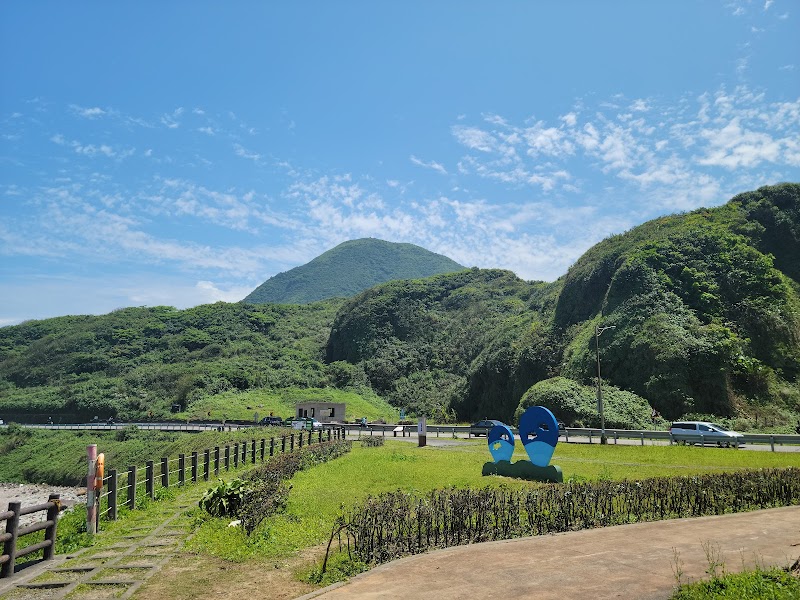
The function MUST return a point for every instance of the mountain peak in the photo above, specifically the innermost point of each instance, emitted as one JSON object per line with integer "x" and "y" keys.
{"x": 349, "y": 268}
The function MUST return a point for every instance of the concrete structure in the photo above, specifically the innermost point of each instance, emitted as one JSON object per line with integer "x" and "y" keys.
{"x": 325, "y": 412}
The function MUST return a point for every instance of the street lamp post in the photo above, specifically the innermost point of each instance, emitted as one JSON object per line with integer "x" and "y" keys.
{"x": 597, "y": 331}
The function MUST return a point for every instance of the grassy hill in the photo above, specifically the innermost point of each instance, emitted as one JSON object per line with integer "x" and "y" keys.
{"x": 350, "y": 268}
{"x": 705, "y": 308}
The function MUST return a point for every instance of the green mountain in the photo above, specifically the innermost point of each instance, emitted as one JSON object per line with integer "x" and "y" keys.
{"x": 350, "y": 268}
{"x": 701, "y": 315}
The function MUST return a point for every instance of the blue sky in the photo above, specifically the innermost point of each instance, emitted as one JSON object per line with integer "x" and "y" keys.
{"x": 181, "y": 153}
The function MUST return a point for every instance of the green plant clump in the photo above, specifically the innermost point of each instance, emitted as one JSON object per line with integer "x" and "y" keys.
{"x": 774, "y": 584}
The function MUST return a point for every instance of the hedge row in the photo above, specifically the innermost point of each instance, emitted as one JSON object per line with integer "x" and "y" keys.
{"x": 395, "y": 524}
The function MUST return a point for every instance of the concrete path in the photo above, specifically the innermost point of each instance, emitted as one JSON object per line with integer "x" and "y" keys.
{"x": 628, "y": 561}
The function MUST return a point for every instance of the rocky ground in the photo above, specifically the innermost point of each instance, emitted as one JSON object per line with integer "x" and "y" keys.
{"x": 37, "y": 493}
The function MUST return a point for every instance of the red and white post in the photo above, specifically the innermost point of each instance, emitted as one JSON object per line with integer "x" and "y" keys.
{"x": 91, "y": 501}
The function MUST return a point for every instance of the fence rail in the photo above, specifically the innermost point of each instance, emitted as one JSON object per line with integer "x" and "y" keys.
{"x": 11, "y": 551}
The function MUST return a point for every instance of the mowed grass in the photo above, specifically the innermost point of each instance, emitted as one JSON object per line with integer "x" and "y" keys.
{"x": 320, "y": 494}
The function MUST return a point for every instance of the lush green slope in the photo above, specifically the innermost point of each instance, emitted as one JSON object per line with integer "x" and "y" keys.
{"x": 137, "y": 361}
{"x": 705, "y": 308}
{"x": 350, "y": 268}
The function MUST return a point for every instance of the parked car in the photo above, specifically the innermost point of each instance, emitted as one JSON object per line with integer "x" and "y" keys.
{"x": 483, "y": 427}
{"x": 272, "y": 422}
{"x": 690, "y": 432}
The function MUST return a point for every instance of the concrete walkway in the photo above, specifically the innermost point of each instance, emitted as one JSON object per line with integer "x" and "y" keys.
{"x": 628, "y": 561}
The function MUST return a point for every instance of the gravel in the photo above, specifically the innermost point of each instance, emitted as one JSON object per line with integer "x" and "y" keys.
{"x": 37, "y": 493}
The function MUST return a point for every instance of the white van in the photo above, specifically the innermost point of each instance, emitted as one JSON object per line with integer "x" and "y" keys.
{"x": 703, "y": 432}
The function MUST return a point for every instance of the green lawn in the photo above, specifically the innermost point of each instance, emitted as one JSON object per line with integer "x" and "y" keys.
{"x": 320, "y": 494}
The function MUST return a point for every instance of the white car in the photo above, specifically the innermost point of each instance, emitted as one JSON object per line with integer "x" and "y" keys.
{"x": 704, "y": 432}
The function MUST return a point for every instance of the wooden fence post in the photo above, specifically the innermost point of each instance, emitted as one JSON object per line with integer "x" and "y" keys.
{"x": 253, "y": 453}
{"x": 132, "y": 487}
{"x": 164, "y": 471}
{"x": 10, "y": 545}
{"x": 272, "y": 446}
{"x": 112, "y": 494}
{"x": 263, "y": 448}
{"x": 50, "y": 532}
{"x": 236, "y": 455}
{"x": 148, "y": 481}
{"x": 244, "y": 453}
{"x": 291, "y": 443}
{"x": 181, "y": 469}
{"x": 91, "y": 493}
{"x": 301, "y": 440}
{"x": 206, "y": 464}
{"x": 216, "y": 461}
{"x": 194, "y": 467}
{"x": 227, "y": 458}
{"x": 283, "y": 444}
{"x": 329, "y": 435}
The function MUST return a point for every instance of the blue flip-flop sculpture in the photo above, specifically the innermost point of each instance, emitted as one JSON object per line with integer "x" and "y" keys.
{"x": 538, "y": 430}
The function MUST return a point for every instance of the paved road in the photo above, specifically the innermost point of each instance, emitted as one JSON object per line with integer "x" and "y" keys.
{"x": 627, "y": 561}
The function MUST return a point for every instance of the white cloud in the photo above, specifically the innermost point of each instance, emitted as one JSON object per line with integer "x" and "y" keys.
{"x": 88, "y": 113}
{"x": 433, "y": 165}
{"x": 239, "y": 150}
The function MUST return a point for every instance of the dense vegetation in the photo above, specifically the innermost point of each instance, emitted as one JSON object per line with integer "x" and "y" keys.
{"x": 350, "y": 268}
{"x": 705, "y": 310}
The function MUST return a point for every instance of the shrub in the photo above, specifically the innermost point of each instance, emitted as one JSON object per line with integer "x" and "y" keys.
{"x": 372, "y": 441}
{"x": 395, "y": 524}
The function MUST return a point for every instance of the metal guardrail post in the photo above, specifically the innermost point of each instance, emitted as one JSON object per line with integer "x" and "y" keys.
{"x": 642, "y": 438}
{"x": 112, "y": 494}
{"x": 772, "y": 443}
{"x": 132, "y": 487}
{"x": 148, "y": 480}
{"x": 181, "y": 469}
{"x": 590, "y": 437}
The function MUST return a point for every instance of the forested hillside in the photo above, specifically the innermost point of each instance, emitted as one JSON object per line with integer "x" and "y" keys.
{"x": 705, "y": 310}
{"x": 350, "y": 268}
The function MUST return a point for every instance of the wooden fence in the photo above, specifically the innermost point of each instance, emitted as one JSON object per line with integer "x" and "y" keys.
{"x": 13, "y": 532}
{"x": 123, "y": 488}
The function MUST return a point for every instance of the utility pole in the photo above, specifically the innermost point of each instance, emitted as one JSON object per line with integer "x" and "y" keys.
{"x": 597, "y": 331}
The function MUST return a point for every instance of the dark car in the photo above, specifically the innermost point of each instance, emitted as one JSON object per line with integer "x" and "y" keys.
{"x": 483, "y": 427}
{"x": 272, "y": 422}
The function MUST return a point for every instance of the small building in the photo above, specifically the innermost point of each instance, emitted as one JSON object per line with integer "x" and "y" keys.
{"x": 325, "y": 412}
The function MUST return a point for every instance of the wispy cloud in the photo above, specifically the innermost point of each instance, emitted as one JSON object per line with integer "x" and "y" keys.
{"x": 433, "y": 165}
